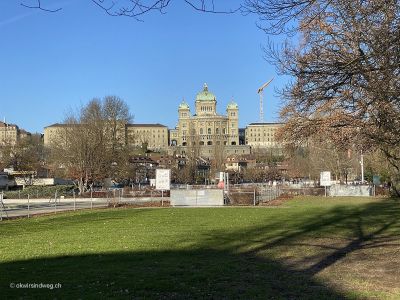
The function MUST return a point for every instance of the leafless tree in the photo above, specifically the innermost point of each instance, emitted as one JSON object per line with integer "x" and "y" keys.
{"x": 346, "y": 71}
{"x": 27, "y": 154}
{"x": 92, "y": 145}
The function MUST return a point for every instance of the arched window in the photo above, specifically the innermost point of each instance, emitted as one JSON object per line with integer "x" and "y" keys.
{"x": 201, "y": 143}
{"x": 209, "y": 143}
{"x": 217, "y": 131}
{"x": 233, "y": 143}
{"x": 209, "y": 130}
{"x": 184, "y": 144}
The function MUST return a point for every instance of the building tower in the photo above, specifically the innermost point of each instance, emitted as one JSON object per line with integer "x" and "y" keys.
{"x": 232, "y": 111}
{"x": 206, "y": 103}
{"x": 183, "y": 123}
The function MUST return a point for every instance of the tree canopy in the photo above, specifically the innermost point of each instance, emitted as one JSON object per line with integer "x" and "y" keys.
{"x": 345, "y": 69}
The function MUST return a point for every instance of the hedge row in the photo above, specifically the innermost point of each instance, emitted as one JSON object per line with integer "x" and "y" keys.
{"x": 41, "y": 192}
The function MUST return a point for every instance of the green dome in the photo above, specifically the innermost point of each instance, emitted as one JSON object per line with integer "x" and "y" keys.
{"x": 205, "y": 95}
{"x": 232, "y": 105}
{"x": 184, "y": 105}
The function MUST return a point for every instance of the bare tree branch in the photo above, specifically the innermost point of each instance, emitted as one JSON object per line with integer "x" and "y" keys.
{"x": 39, "y": 6}
{"x": 137, "y": 8}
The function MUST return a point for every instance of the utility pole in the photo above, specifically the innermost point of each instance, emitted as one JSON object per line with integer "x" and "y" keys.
{"x": 362, "y": 168}
{"x": 261, "y": 93}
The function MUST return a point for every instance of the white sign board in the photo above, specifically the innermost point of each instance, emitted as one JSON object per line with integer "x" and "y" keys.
{"x": 325, "y": 178}
{"x": 163, "y": 179}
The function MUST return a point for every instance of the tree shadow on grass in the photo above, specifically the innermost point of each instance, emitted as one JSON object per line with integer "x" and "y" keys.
{"x": 166, "y": 275}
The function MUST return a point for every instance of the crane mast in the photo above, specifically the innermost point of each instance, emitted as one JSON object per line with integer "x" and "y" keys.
{"x": 260, "y": 91}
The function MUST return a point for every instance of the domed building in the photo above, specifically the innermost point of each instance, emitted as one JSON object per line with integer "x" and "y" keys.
{"x": 206, "y": 127}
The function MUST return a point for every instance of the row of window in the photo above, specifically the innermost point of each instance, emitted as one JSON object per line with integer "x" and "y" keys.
{"x": 209, "y": 143}
{"x": 272, "y": 134}
{"x": 228, "y": 152}
{"x": 149, "y": 130}
{"x": 263, "y": 129}
{"x": 206, "y": 108}
{"x": 262, "y": 141}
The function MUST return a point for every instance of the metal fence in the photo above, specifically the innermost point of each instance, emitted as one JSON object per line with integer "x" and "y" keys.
{"x": 27, "y": 207}
{"x": 252, "y": 195}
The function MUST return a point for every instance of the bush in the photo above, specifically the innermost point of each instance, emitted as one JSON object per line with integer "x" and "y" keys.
{"x": 41, "y": 192}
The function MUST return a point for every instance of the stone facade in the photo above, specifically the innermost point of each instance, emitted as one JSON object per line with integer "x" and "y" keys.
{"x": 262, "y": 135}
{"x": 206, "y": 127}
{"x": 207, "y": 133}
{"x": 55, "y": 133}
{"x": 155, "y": 136}
{"x": 10, "y": 133}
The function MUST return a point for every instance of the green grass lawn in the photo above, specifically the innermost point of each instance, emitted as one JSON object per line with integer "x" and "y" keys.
{"x": 308, "y": 248}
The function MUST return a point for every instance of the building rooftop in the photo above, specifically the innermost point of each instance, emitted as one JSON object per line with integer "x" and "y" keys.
{"x": 184, "y": 105}
{"x": 205, "y": 95}
{"x": 264, "y": 123}
{"x": 3, "y": 124}
{"x": 232, "y": 105}
{"x": 58, "y": 125}
{"x": 146, "y": 125}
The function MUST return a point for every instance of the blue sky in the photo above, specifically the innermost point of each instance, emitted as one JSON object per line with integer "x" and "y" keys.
{"x": 53, "y": 62}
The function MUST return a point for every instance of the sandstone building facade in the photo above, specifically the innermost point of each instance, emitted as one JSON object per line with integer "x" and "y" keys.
{"x": 206, "y": 127}
{"x": 262, "y": 135}
{"x": 205, "y": 132}
{"x": 11, "y": 133}
{"x": 154, "y": 136}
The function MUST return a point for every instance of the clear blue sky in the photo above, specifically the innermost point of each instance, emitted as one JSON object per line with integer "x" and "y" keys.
{"x": 52, "y": 62}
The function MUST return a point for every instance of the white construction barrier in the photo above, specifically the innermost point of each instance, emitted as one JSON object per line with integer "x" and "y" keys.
{"x": 197, "y": 197}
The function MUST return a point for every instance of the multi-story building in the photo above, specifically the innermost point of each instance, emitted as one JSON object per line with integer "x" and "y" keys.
{"x": 10, "y": 133}
{"x": 154, "y": 136}
{"x": 262, "y": 135}
{"x": 237, "y": 163}
{"x": 207, "y": 133}
{"x": 206, "y": 126}
{"x": 55, "y": 133}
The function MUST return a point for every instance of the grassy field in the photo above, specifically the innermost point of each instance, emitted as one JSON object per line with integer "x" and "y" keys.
{"x": 307, "y": 248}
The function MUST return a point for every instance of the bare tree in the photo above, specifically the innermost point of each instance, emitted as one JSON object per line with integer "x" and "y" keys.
{"x": 92, "y": 144}
{"x": 346, "y": 71}
{"x": 27, "y": 154}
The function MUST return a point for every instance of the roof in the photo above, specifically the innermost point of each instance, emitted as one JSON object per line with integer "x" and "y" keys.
{"x": 59, "y": 125}
{"x": 205, "y": 95}
{"x": 184, "y": 105}
{"x": 264, "y": 123}
{"x": 23, "y": 131}
{"x": 232, "y": 105}
{"x": 2, "y": 124}
{"x": 145, "y": 125}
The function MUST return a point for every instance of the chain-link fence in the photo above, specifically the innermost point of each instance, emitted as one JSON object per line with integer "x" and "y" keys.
{"x": 11, "y": 207}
